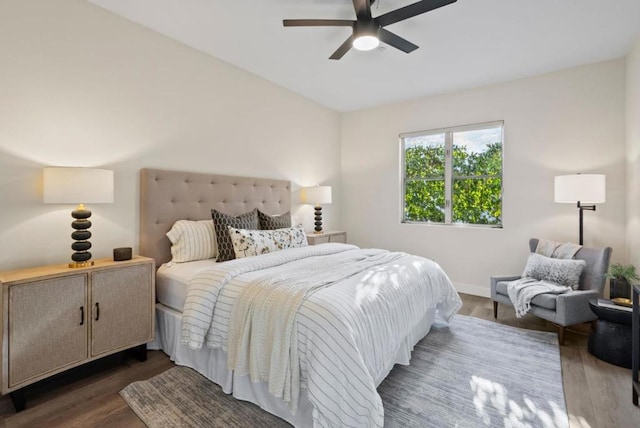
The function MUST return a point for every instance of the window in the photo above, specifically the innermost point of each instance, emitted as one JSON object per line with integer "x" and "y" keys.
{"x": 453, "y": 175}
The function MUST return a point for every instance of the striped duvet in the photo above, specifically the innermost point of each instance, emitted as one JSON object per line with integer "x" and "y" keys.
{"x": 347, "y": 334}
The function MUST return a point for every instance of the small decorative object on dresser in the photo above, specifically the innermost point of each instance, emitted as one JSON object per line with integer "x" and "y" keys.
{"x": 121, "y": 254}
{"x": 333, "y": 236}
{"x": 55, "y": 318}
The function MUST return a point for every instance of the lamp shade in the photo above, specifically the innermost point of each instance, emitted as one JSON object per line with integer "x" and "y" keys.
{"x": 584, "y": 188}
{"x": 77, "y": 186}
{"x": 316, "y": 195}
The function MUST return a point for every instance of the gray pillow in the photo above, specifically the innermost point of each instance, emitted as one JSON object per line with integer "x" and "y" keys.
{"x": 272, "y": 222}
{"x": 223, "y": 239}
{"x": 561, "y": 271}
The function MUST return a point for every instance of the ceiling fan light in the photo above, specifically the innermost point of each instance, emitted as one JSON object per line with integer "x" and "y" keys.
{"x": 366, "y": 42}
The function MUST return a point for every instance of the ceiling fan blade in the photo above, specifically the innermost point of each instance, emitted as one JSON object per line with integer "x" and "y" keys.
{"x": 318, "y": 23}
{"x": 396, "y": 41}
{"x": 410, "y": 11}
{"x": 363, "y": 9}
{"x": 343, "y": 49}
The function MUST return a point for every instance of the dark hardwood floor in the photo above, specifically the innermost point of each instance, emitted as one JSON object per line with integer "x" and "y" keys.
{"x": 598, "y": 394}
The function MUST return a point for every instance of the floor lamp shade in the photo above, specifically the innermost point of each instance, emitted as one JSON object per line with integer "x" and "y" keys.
{"x": 580, "y": 189}
{"x": 584, "y": 188}
{"x": 316, "y": 195}
{"x": 78, "y": 186}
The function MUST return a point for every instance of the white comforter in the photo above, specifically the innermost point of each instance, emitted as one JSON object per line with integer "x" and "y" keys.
{"x": 347, "y": 334}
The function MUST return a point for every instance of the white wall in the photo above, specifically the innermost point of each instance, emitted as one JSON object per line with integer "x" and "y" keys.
{"x": 633, "y": 155}
{"x": 80, "y": 86}
{"x": 560, "y": 123}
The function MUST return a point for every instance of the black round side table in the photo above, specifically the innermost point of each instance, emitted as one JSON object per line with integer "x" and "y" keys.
{"x": 610, "y": 340}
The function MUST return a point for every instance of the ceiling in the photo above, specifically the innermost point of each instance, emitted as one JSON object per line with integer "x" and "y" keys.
{"x": 466, "y": 44}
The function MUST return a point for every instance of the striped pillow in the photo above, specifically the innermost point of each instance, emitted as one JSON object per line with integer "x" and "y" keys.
{"x": 192, "y": 240}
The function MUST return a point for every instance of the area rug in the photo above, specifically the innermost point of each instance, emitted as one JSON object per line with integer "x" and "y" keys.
{"x": 470, "y": 373}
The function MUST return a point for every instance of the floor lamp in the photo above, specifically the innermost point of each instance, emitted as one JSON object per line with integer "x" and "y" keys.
{"x": 584, "y": 190}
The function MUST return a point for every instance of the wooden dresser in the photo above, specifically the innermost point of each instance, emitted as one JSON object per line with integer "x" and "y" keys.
{"x": 55, "y": 317}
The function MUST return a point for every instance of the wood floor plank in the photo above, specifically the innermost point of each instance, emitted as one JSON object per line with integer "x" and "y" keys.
{"x": 598, "y": 394}
{"x": 579, "y": 405}
{"x": 87, "y": 402}
{"x": 613, "y": 405}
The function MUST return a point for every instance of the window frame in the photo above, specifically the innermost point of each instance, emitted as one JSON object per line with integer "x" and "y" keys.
{"x": 449, "y": 173}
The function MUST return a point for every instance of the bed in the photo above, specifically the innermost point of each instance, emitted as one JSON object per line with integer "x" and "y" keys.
{"x": 346, "y": 337}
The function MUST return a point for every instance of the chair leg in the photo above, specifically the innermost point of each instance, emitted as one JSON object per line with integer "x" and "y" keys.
{"x": 561, "y": 335}
{"x": 495, "y": 310}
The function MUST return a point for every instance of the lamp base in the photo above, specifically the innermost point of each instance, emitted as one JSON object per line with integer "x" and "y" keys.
{"x": 582, "y": 208}
{"x": 81, "y": 224}
{"x": 318, "y": 220}
{"x": 81, "y": 264}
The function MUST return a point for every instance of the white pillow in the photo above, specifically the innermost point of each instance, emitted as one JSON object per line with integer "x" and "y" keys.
{"x": 248, "y": 243}
{"x": 561, "y": 271}
{"x": 192, "y": 240}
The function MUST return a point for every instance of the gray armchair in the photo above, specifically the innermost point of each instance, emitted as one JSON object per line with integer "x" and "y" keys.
{"x": 562, "y": 309}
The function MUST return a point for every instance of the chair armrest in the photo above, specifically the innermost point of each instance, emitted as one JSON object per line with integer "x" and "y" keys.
{"x": 573, "y": 307}
{"x": 499, "y": 278}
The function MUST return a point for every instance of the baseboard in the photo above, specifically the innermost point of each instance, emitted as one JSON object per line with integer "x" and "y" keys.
{"x": 472, "y": 289}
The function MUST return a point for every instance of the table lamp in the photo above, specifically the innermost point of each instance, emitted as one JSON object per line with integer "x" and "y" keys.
{"x": 316, "y": 195}
{"x": 78, "y": 186}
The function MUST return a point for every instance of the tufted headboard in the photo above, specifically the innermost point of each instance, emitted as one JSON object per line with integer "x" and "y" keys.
{"x": 168, "y": 196}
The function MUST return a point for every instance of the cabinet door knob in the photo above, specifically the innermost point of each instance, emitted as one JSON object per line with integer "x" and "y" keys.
{"x": 97, "y": 311}
{"x": 81, "y": 315}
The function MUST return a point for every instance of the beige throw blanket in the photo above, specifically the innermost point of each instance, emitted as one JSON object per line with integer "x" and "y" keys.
{"x": 262, "y": 333}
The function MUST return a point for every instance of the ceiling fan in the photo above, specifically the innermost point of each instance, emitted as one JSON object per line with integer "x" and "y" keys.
{"x": 369, "y": 31}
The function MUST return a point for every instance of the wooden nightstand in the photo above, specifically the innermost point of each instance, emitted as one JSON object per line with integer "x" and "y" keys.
{"x": 55, "y": 318}
{"x": 323, "y": 238}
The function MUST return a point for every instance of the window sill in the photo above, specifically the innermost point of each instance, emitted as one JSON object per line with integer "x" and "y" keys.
{"x": 460, "y": 225}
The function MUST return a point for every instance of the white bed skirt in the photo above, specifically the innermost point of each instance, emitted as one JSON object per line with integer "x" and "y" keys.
{"x": 212, "y": 363}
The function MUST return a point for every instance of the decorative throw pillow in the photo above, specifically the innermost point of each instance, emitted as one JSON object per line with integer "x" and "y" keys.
{"x": 272, "y": 222}
{"x": 561, "y": 271}
{"x": 220, "y": 223}
{"x": 192, "y": 240}
{"x": 248, "y": 243}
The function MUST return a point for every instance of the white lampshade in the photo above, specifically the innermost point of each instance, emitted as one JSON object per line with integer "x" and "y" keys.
{"x": 584, "y": 188}
{"x": 77, "y": 186}
{"x": 316, "y": 195}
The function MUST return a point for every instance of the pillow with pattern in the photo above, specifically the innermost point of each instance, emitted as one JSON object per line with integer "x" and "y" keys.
{"x": 272, "y": 222}
{"x": 248, "y": 243}
{"x": 192, "y": 240}
{"x": 220, "y": 223}
{"x": 561, "y": 271}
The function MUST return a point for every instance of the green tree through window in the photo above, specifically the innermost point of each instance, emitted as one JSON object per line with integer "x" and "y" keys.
{"x": 453, "y": 175}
